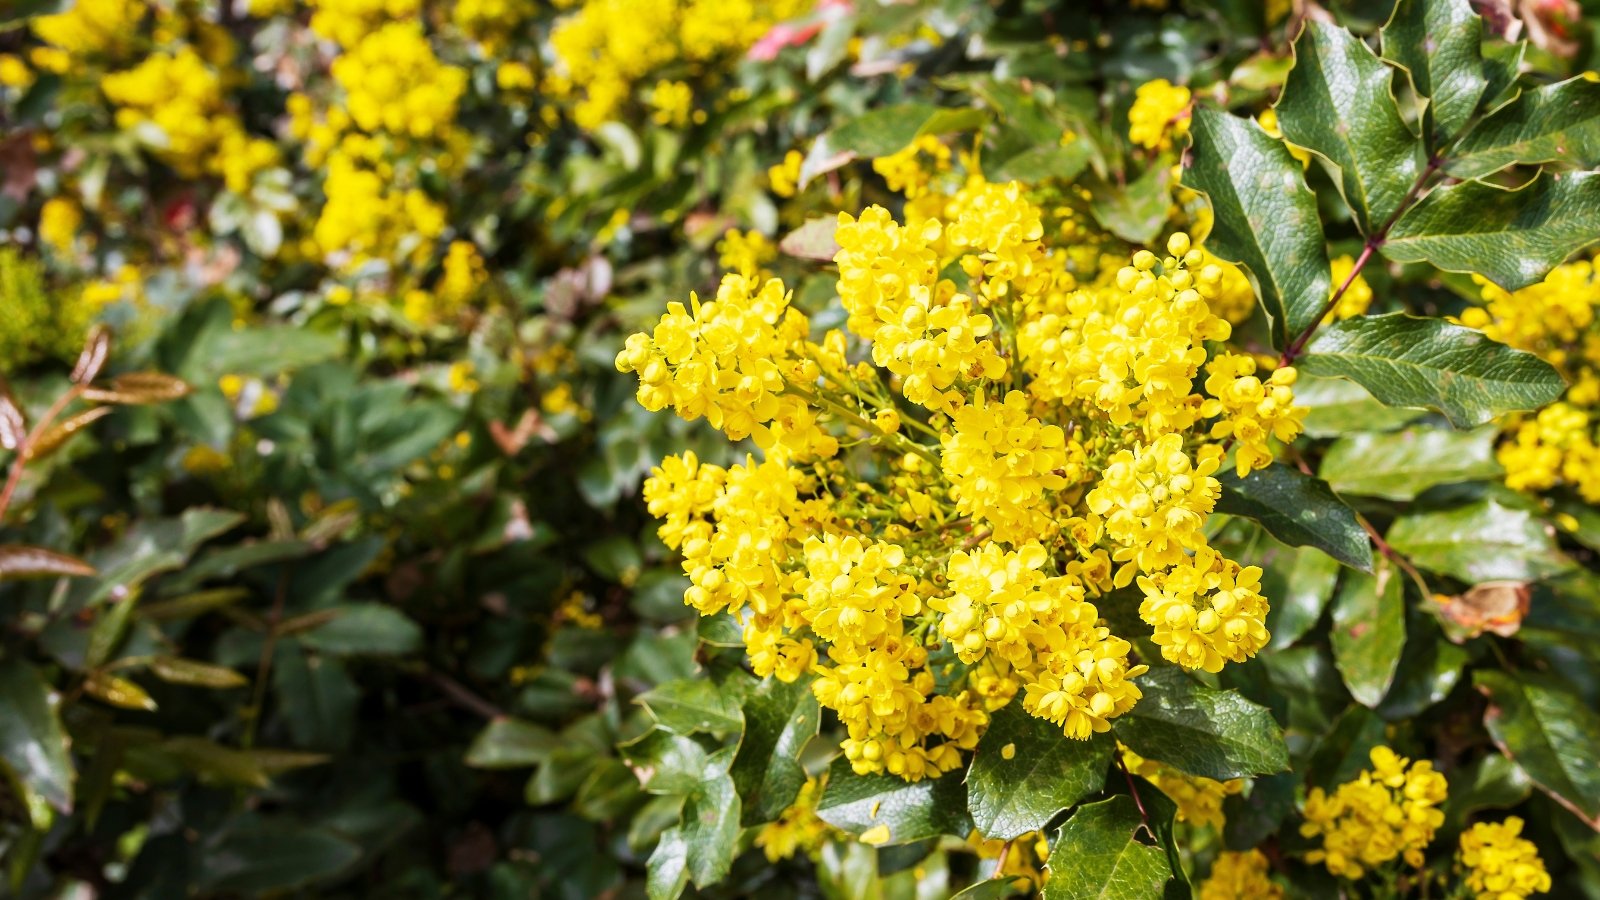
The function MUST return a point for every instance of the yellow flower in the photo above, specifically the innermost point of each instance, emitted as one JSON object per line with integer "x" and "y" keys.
{"x": 1500, "y": 864}
{"x": 672, "y": 101}
{"x": 1356, "y": 298}
{"x": 1250, "y": 411}
{"x": 1160, "y": 113}
{"x": 92, "y": 26}
{"x": 1389, "y": 812}
{"x": 1240, "y": 876}
{"x": 797, "y": 829}
{"x": 59, "y": 222}
{"x": 784, "y": 178}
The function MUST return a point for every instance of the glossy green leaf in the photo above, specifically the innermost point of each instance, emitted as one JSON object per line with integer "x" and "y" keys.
{"x": 1550, "y": 732}
{"x": 1409, "y": 361}
{"x": 710, "y": 824}
{"x": 1512, "y": 237}
{"x": 779, "y": 719}
{"x": 1201, "y": 730}
{"x": 1136, "y": 211}
{"x": 1339, "y": 103}
{"x": 1299, "y": 510}
{"x": 508, "y": 743}
{"x": 366, "y": 629}
{"x": 911, "y": 810}
{"x": 1335, "y": 407}
{"x": 1368, "y": 631}
{"x": 1478, "y": 542}
{"x": 1400, "y": 465}
{"x": 1297, "y": 582}
{"x": 666, "y": 763}
{"x": 1026, "y": 771}
{"x": 1440, "y": 43}
{"x": 1493, "y": 782}
{"x": 33, "y": 745}
{"x": 1266, "y": 219}
{"x": 689, "y": 705}
{"x": 882, "y": 132}
{"x": 1552, "y": 123}
{"x": 667, "y": 873}
{"x": 1097, "y": 854}
{"x": 267, "y": 858}
{"x": 1252, "y": 816}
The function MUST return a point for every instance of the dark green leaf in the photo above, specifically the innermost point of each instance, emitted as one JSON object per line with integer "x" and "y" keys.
{"x": 1297, "y": 583}
{"x": 1512, "y": 237}
{"x": 1553, "y": 123}
{"x": 1400, "y": 465}
{"x": 1201, "y": 730}
{"x": 1493, "y": 782}
{"x": 508, "y": 743}
{"x": 33, "y": 744}
{"x": 316, "y": 698}
{"x": 1253, "y": 816}
{"x": 266, "y": 858}
{"x": 1440, "y": 42}
{"x": 1266, "y": 218}
{"x": 1097, "y": 854}
{"x": 689, "y": 705}
{"x": 1550, "y": 732}
{"x": 666, "y": 763}
{"x": 911, "y": 810}
{"x": 1482, "y": 541}
{"x": 1369, "y": 629}
{"x": 1339, "y": 103}
{"x": 779, "y": 719}
{"x": 1299, "y": 510}
{"x": 1026, "y": 771}
{"x": 1409, "y": 361}
{"x": 711, "y": 825}
{"x": 366, "y": 629}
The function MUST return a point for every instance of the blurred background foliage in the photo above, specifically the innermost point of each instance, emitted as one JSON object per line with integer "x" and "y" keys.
{"x": 364, "y": 605}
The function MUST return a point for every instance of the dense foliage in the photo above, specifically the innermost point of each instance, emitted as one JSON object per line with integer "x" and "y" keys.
{"x": 806, "y": 448}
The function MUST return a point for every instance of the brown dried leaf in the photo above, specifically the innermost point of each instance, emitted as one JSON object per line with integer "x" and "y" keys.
{"x": 139, "y": 388}
{"x": 20, "y": 561}
{"x": 61, "y": 432}
{"x": 1496, "y": 606}
{"x": 96, "y": 350}
{"x": 813, "y": 240}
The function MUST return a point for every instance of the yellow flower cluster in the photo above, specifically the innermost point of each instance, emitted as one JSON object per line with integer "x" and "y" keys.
{"x": 1199, "y": 799}
{"x": 347, "y": 22}
{"x": 797, "y": 829}
{"x": 393, "y": 83}
{"x": 364, "y": 219}
{"x": 1357, "y": 298}
{"x": 92, "y": 27}
{"x": 1002, "y": 448}
{"x": 609, "y": 47}
{"x": 905, "y": 173}
{"x": 1390, "y": 811}
{"x": 39, "y": 323}
{"x": 1500, "y": 864}
{"x": 1555, "y": 319}
{"x": 491, "y": 22}
{"x": 1240, "y": 876}
{"x": 1160, "y": 114}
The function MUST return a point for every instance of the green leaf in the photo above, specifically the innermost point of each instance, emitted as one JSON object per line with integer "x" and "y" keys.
{"x": 33, "y": 745}
{"x": 1402, "y": 464}
{"x": 271, "y": 857}
{"x": 1440, "y": 42}
{"x": 883, "y": 132}
{"x": 366, "y": 629}
{"x": 1299, "y": 510}
{"x": 1338, "y": 102}
{"x": 689, "y": 705}
{"x": 1550, "y": 732}
{"x": 260, "y": 352}
{"x": 1482, "y": 541}
{"x": 1097, "y": 854}
{"x": 1201, "y": 730}
{"x": 192, "y": 673}
{"x": 666, "y": 763}
{"x": 148, "y": 549}
{"x": 1552, "y": 123}
{"x": 1251, "y": 817}
{"x": 711, "y": 825}
{"x": 1336, "y": 407}
{"x": 1493, "y": 782}
{"x": 21, "y": 561}
{"x": 668, "y": 871}
{"x": 1266, "y": 219}
{"x": 1137, "y": 211}
{"x": 1026, "y": 771}
{"x": 316, "y": 698}
{"x": 911, "y": 810}
{"x": 1298, "y": 583}
{"x": 993, "y": 889}
{"x": 779, "y": 719}
{"x": 1368, "y": 631}
{"x": 508, "y": 743}
{"x": 1409, "y": 361}
{"x": 1512, "y": 237}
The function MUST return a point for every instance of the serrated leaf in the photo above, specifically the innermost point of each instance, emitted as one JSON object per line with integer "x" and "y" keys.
{"x": 1440, "y": 43}
{"x": 1552, "y": 123}
{"x": 508, "y": 743}
{"x": 1338, "y": 102}
{"x": 1097, "y": 854}
{"x": 1402, "y": 464}
{"x": 1478, "y": 542}
{"x": 1550, "y": 732}
{"x": 134, "y": 388}
{"x": 911, "y": 810}
{"x": 1201, "y": 730}
{"x": 1409, "y": 361}
{"x": 688, "y": 705}
{"x": 1512, "y": 237}
{"x": 1298, "y": 510}
{"x": 22, "y": 561}
{"x": 1266, "y": 219}
{"x": 33, "y": 745}
{"x": 779, "y": 719}
{"x": 1368, "y": 631}
{"x": 1026, "y": 771}
{"x": 193, "y": 673}
{"x": 665, "y": 763}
